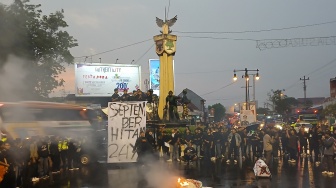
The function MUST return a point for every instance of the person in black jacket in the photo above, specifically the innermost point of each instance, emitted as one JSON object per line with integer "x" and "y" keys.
{"x": 189, "y": 153}
{"x": 6, "y": 156}
{"x": 143, "y": 149}
{"x": 125, "y": 96}
{"x": 22, "y": 158}
{"x": 115, "y": 97}
{"x": 197, "y": 139}
{"x": 208, "y": 141}
{"x": 314, "y": 143}
{"x": 150, "y": 138}
{"x": 55, "y": 155}
{"x": 72, "y": 152}
{"x": 43, "y": 162}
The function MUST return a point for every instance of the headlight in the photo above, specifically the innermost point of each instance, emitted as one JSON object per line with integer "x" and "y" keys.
{"x": 306, "y": 129}
{"x": 278, "y": 127}
{"x": 262, "y": 125}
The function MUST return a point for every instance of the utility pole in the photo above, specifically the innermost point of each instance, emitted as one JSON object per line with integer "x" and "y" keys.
{"x": 304, "y": 87}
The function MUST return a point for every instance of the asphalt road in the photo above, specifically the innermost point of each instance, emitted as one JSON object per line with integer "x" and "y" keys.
{"x": 162, "y": 174}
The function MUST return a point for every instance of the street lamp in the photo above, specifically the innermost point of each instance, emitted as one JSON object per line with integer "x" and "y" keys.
{"x": 246, "y": 76}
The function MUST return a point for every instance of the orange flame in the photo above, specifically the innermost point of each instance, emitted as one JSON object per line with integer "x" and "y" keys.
{"x": 182, "y": 182}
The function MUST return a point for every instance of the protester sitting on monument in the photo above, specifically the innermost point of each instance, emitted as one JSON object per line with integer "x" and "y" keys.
{"x": 125, "y": 96}
{"x": 115, "y": 96}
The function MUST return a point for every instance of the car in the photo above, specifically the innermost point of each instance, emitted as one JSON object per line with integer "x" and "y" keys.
{"x": 306, "y": 126}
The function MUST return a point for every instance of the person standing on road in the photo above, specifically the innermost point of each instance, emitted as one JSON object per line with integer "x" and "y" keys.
{"x": 234, "y": 141}
{"x": 43, "y": 160}
{"x": 303, "y": 138}
{"x": 292, "y": 145}
{"x": 174, "y": 145}
{"x": 328, "y": 160}
{"x": 198, "y": 141}
{"x": 55, "y": 156}
{"x": 7, "y": 157}
{"x": 143, "y": 149}
{"x": 276, "y": 146}
{"x": 208, "y": 141}
{"x": 267, "y": 142}
{"x": 314, "y": 145}
{"x": 63, "y": 147}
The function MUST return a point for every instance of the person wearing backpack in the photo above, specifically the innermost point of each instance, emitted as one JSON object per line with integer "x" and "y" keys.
{"x": 328, "y": 160}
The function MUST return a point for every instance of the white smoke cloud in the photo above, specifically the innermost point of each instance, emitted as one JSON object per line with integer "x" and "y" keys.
{"x": 12, "y": 79}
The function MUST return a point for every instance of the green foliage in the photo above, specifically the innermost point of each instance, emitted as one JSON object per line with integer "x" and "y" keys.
{"x": 329, "y": 110}
{"x": 219, "y": 111}
{"x": 262, "y": 111}
{"x": 38, "y": 39}
{"x": 282, "y": 103}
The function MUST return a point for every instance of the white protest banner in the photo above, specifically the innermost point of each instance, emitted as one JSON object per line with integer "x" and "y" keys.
{"x": 125, "y": 122}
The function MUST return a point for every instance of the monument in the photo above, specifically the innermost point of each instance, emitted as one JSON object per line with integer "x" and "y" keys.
{"x": 165, "y": 49}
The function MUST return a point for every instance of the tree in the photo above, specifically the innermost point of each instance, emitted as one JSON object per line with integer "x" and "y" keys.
{"x": 329, "y": 110}
{"x": 219, "y": 111}
{"x": 42, "y": 44}
{"x": 282, "y": 103}
{"x": 262, "y": 111}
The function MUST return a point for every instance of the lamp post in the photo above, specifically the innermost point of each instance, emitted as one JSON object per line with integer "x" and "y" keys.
{"x": 255, "y": 77}
{"x": 246, "y": 76}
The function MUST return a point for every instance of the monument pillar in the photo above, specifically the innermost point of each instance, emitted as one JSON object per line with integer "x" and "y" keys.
{"x": 165, "y": 49}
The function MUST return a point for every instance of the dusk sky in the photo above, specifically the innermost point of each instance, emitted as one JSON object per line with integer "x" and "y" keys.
{"x": 214, "y": 38}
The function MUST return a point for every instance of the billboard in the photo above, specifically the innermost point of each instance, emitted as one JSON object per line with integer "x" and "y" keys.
{"x": 154, "y": 75}
{"x": 100, "y": 80}
{"x": 248, "y": 116}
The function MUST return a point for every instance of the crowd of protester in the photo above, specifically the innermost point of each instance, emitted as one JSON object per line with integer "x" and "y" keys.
{"x": 220, "y": 142}
{"x": 31, "y": 160}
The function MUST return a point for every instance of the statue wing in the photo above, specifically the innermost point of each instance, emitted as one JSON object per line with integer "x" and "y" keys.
{"x": 172, "y": 21}
{"x": 159, "y": 22}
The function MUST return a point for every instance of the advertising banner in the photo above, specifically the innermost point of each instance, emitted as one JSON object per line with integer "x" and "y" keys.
{"x": 154, "y": 75}
{"x": 125, "y": 122}
{"x": 100, "y": 80}
{"x": 247, "y": 116}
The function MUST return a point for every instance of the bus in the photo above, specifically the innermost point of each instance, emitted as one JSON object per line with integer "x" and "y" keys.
{"x": 308, "y": 116}
{"x": 28, "y": 119}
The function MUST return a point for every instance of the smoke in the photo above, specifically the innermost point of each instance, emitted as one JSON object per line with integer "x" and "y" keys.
{"x": 13, "y": 79}
{"x": 153, "y": 174}
{"x": 160, "y": 175}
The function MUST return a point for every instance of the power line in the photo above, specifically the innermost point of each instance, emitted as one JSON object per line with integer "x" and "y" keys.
{"x": 202, "y": 72}
{"x": 331, "y": 62}
{"x": 144, "y": 54}
{"x": 255, "y": 31}
{"x": 115, "y": 49}
{"x": 218, "y": 89}
{"x": 291, "y": 86}
{"x": 222, "y": 38}
{"x": 296, "y": 83}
